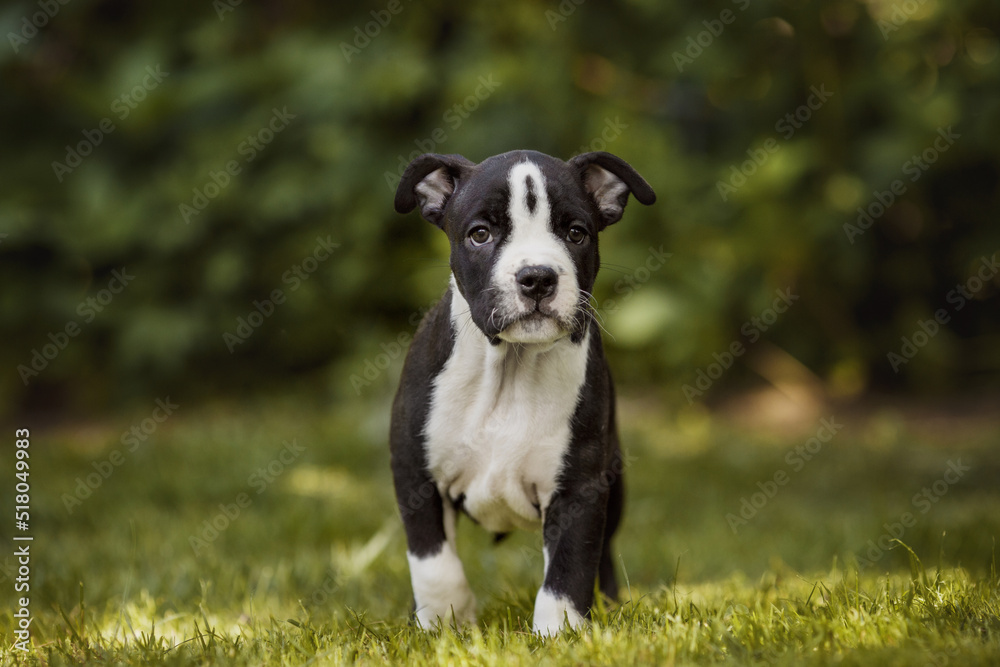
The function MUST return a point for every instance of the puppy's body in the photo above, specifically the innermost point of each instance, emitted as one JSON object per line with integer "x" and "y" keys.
{"x": 499, "y": 424}
{"x": 505, "y": 409}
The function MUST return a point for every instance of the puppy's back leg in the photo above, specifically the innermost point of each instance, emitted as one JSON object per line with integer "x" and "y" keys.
{"x": 616, "y": 500}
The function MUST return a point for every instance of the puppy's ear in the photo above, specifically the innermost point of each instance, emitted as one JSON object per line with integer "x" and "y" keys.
{"x": 430, "y": 180}
{"x": 608, "y": 179}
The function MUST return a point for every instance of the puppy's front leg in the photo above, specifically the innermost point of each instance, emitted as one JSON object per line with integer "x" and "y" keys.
{"x": 573, "y": 532}
{"x": 440, "y": 589}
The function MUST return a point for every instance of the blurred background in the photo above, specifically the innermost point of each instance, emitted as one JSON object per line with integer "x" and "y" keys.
{"x": 209, "y": 150}
{"x": 203, "y": 281}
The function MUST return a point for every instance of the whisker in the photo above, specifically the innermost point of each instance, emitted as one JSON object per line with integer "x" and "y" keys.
{"x": 616, "y": 268}
{"x": 517, "y": 354}
{"x": 592, "y": 309}
{"x": 588, "y": 312}
{"x": 589, "y": 297}
{"x": 465, "y": 325}
{"x": 602, "y": 327}
{"x": 434, "y": 262}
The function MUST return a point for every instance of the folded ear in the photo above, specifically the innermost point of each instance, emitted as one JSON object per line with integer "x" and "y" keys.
{"x": 608, "y": 180}
{"x": 430, "y": 180}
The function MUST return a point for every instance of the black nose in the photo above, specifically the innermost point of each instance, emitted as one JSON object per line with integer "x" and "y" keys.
{"x": 537, "y": 282}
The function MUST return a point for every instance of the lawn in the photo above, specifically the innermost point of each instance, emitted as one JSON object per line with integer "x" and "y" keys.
{"x": 266, "y": 533}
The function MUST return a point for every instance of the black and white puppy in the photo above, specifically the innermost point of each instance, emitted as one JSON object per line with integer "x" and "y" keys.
{"x": 505, "y": 410}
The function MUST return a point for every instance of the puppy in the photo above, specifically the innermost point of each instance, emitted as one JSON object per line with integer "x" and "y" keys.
{"x": 505, "y": 410}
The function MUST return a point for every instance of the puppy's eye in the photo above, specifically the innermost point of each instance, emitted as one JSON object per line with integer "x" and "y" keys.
{"x": 576, "y": 234}
{"x": 480, "y": 236}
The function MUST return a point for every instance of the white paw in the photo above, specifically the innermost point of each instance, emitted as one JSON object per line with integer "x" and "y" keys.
{"x": 462, "y": 610}
{"x": 440, "y": 589}
{"x": 552, "y": 613}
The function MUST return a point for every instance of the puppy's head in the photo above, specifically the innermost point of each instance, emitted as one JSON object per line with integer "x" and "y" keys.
{"x": 523, "y": 228}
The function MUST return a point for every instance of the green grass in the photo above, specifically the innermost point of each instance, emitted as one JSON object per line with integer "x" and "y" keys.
{"x": 313, "y": 569}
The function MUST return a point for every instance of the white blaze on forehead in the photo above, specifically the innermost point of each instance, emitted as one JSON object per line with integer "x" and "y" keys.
{"x": 530, "y": 235}
{"x": 526, "y": 179}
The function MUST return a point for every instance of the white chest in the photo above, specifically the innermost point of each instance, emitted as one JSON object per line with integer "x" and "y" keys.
{"x": 499, "y": 423}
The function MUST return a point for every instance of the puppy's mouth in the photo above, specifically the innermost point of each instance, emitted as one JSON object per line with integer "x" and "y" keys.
{"x": 540, "y": 325}
{"x": 538, "y": 312}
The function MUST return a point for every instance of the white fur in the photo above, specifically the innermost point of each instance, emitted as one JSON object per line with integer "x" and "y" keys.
{"x": 532, "y": 243}
{"x": 499, "y": 422}
{"x": 440, "y": 589}
{"x": 500, "y": 415}
{"x": 552, "y": 613}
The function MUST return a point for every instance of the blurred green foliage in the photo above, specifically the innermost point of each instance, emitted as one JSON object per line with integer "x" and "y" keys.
{"x": 283, "y": 125}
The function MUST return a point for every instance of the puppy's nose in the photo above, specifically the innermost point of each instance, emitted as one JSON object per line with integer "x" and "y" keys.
{"x": 537, "y": 282}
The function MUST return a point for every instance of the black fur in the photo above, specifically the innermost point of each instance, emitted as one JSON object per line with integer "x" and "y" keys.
{"x": 416, "y": 493}
{"x": 584, "y": 512}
